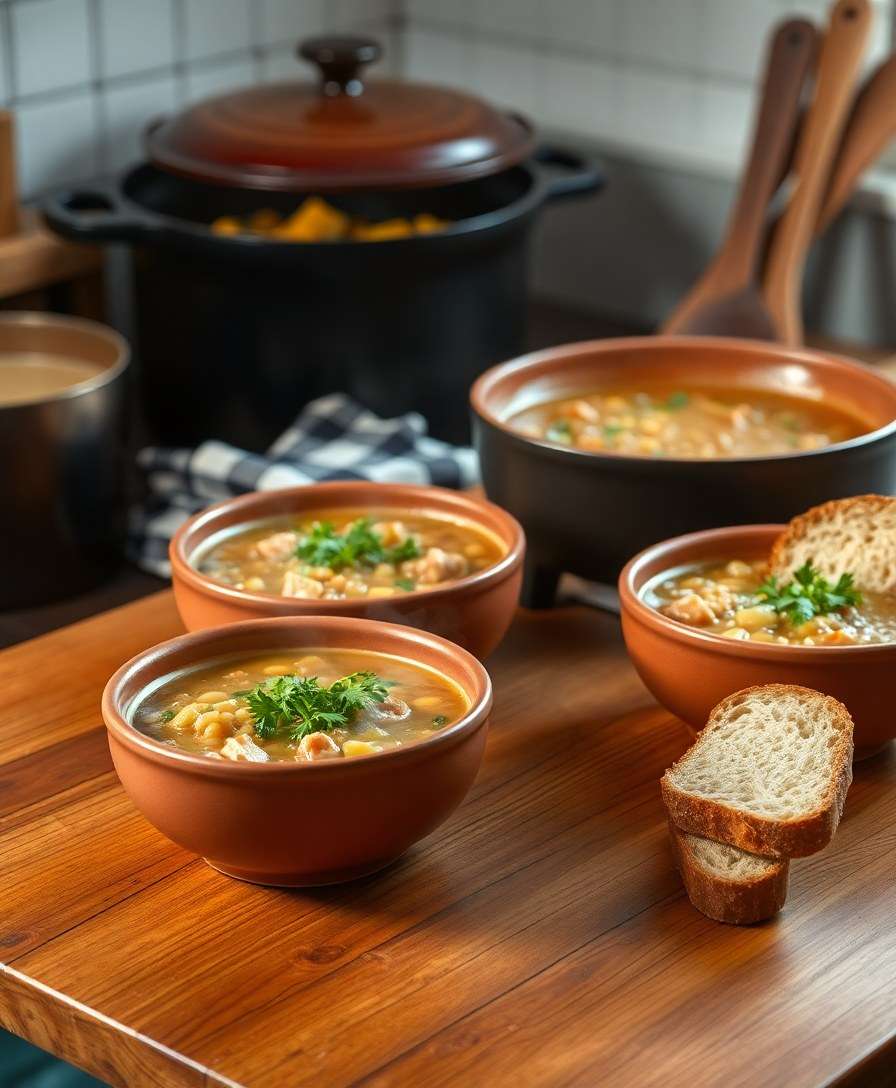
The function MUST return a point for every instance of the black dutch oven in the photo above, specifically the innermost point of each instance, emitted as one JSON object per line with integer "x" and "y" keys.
{"x": 235, "y": 333}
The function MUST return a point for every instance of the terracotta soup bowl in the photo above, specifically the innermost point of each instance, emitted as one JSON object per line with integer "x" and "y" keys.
{"x": 689, "y": 670}
{"x": 295, "y": 824}
{"x": 588, "y": 512}
{"x": 474, "y": 611}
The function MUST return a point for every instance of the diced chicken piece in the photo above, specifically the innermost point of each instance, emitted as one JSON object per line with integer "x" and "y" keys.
{"x": 391, "y": 709}
{"x": 690, "y": 609}
{"x": 317, "y": 746}
{"x": 299, "y": 585}
{"x": 435, "y": 566}
{"x": 276, "y": 546}
{"x": 244, "y": 748}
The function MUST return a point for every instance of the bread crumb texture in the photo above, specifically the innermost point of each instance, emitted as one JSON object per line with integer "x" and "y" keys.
{"x": 769, "y": 751}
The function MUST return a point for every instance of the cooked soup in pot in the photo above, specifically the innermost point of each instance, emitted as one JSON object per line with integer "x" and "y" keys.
{"x": 36, "y": 375}
{"x": 737, "y": 599}
{"x": 703, "y": 423}
{"x": 307, "y": 706}
{"x": 334, "y": 554}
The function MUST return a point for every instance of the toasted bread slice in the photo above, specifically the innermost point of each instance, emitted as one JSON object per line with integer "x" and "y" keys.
{"x": 768, "y": 773}
{"x": 727, "y": 884}
{"x": 847, "y": 536}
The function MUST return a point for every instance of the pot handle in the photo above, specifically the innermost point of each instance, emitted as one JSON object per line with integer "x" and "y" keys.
{"x": 95, "y": 212}
{"x": 564, "y": 173}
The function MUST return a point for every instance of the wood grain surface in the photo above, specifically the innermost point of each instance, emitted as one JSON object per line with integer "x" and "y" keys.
{"x": 541, "y": 936}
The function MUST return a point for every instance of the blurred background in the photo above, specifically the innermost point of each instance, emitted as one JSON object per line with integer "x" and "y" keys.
{"x": 663, "y": 88}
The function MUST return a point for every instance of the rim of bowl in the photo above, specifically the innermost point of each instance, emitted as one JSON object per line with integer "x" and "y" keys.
{"x": 80, "y": 324}
{"x": 117, "y": 723}
{"x": 485, "y": 384}
{"x": 632, "y": 579}
{"x": 182, "y": 565}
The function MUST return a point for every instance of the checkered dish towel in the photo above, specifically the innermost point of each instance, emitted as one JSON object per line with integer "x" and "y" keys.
{"x": 334, "y": 438}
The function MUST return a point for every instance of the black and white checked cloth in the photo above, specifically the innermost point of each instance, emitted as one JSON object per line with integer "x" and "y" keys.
{"x": 334, "y": 438}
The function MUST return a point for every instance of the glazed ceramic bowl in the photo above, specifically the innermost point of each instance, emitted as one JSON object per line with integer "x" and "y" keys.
{"x": 588, "y": 513}
{"x": 474, "y": 612}
{"x": 689, "y": 670}
{"x": 298, "y": 824}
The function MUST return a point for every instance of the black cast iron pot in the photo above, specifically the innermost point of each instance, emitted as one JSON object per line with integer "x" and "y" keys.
{"x": 589, "y": 513}
{"x": 236, "y": 333}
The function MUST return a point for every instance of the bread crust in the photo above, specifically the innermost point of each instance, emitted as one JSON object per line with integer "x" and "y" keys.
{"x": 793, "y": 838}
{"x": 735, "y": 902}
{"x": 781, "y": 559}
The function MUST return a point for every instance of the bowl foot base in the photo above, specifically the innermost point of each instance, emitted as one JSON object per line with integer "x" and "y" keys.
{"x": 539, "y": 585}
{"x": 301, "y": 879}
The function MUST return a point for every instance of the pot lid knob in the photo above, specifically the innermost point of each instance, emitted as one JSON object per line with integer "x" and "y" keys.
{"x": 340, "y": 60}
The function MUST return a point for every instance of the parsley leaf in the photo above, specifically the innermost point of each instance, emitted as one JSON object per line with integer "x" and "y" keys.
{"x": 677, "y": 400}
{"x": 405, "y": 583}
{"x": 560, "y": 431}
{"x": 357, "y": 546}
{"x": 166, "y": 716}
{"x": 300, "y": 705}
{"x": 809, "y": 594}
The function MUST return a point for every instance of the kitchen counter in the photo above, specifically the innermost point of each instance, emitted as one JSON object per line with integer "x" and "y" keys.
{"x": 540, "y": 936}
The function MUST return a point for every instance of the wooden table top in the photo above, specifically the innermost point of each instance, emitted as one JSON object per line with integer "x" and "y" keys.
{"x": 541, "y": 936}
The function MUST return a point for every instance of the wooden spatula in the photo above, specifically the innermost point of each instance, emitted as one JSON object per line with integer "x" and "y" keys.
{"x": 869, "y": 130}
{"x": 727, "y": 300}
{"x": 838, "y": 63}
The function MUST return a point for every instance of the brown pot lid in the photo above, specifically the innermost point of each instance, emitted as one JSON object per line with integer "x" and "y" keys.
{"x": 339, "y": 133}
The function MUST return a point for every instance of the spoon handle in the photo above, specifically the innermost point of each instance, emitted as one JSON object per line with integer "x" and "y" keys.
{"x": 841, "y": 55}
{"x": 790, "y": 55}
{"x": 870, "y": 128}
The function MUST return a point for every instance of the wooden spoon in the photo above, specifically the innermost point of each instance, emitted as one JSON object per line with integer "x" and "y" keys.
{"x": 727, "y": 299}
{"x": 870, "y": 128}
{"x": 841, "y": 55}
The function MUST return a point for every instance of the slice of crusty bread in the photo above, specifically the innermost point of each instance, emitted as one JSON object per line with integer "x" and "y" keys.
{"x": 768, "y": 773}
{"x": 727, "y": 884}
{"x": 855, "y": 536}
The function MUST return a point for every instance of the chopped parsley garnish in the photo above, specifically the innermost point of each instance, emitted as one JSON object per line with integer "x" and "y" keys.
{"x": 677, "y": 400}
{"x": 560, "y": 431}
{"x": 809, "y": 594}
{"x": 612, "y": 429}
{"x": 167, "y": 716}
{"x": 299, "y": 705}
{"x": 439, "y": 719}
{"x": 359, "y": 545}
{"x": 405, "y": 583}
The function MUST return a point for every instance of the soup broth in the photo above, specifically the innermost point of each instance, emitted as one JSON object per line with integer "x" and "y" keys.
{"x": 696, "y": 423}
{"x": 334, "y": 554}
{"x": 32, "y": 375}
{"x": 353, "y": 703}
{"x": 726, "y": 598}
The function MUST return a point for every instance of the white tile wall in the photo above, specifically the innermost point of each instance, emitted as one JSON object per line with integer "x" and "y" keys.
{"x": 215, "y": 26}
{"x": 51, "y": 44}
{"x": 658, "y": 77}
{"x": 135, "y": 36}
{"x": 84, "y": 76}
{"x": 126, "y": 111}
{"x": 58, "y": 140}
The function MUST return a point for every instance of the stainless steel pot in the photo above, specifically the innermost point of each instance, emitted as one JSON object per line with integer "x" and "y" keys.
{"x": 61, "y": 464}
